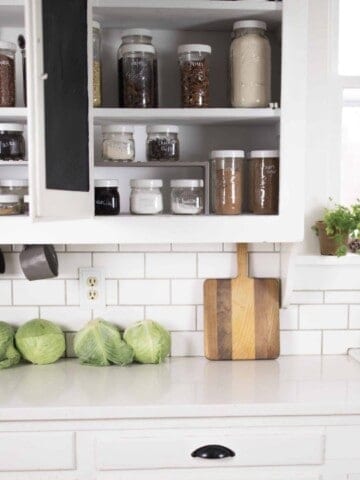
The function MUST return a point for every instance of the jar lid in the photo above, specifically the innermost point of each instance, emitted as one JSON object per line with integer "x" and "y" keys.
{"x": 227, "y": 154}
{"x": 250, "y": 24}
{"x": 145, "y": 183}
{"x": 26, "y": 198}
{"x": 14, "y": 183}
{"x": 140, "y": 32}
{"x": 137, "y": 47}
{"x": 162, "y": 129}
{"x": 7, "y": 46}
{"x": 9, "y": 198}
{"x": 96, "y": 24}
{"x": 264, "y": 154}
{"x": 193, "y": 47}
{"x": 117, "y": 128}
{"x": 106, "y": 183}
{"x": 11, "y": 127}
{"x": 187, "y": 182}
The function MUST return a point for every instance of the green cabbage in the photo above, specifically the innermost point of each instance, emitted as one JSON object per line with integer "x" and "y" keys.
{"x": 151, "y": 342}
{"x": 40, "y": 341}
{"x": 99, "y": 343}
{"x": 8, "y": 354}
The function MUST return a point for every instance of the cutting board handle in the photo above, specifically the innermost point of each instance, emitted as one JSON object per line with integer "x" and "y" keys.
{"x": 242, "y": 260}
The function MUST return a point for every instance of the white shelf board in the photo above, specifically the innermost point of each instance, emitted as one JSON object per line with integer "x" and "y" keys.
{"x": 13, "y": 163}
{"x": 188, "y": 116}
{"x": 12, "y": 13}
{"x": 13, "y": 114}
{"x": 328, "y": 260}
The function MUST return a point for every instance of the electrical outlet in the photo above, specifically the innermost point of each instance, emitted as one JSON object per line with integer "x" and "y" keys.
{"x": 92, "y": 288}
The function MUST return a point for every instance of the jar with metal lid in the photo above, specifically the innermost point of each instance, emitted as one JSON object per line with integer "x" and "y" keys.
{"x": 250, "y": 65}
{"x": 194, "y": 75}
{"x": 14, "y": 186}
{"x": 7, "y": 74}
{"x": 12, "y": 143}
{"x": 10, "y": 204}
{"x": 227, "y": 172}
{"x": 187, "y": 196}
{"x": 26, "y": 208}
{"x": 128, "y": 37}
{"x": 107, "y": 198}
{"x": 146, "y": 196}
{"x": 263, "y": 170}
{"x": 138, "y": 64}
{"x": 162, "y": 143}
{"x": 118, "y": 143}
{"x": 97, "y": 64}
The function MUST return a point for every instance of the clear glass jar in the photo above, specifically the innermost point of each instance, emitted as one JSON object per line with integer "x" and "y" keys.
{"x": 107, "y": 198}
{"x": 263, "y": 170}
{"x": 26, "y": 208}
{"x": 194, "y": 73}
{"x": 7, "y": 74}
{"x": 118, "y": 143}
{"x": 138, "y": 75}
{"x": 227, "y": 172}
{"x": 128, "y": 37}
{"x": 12, "y": 143}
{"x": 10, "y": 205}
{"x": 19, "y": 187}
{"x": 187, "y": 196}
{"x": 96, "y": 64}
{"x": 162, "y": 143}
{"x": 146, "y": 197}
{"x": 250, "y": 65}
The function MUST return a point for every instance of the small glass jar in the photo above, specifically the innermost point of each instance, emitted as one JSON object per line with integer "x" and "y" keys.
{"x": 12, "y": 143}
{"x": 146, "y": 197}
{"x": 138, "y": 64}
{"x": 118, "y": 143}
{"x": 10, "y": 205}
{"x": 107, "y": 198}
{"x": 187, "y": 196}
{"x": 162, "y": 143}
{"x": 19, "y": 187}
{"x": 26, "y": 208}
{"x": 96, "y": 64}
{"x": 227, "y": 172}
{"x": 7, "y": 74}
{"x": 194, "y": 73}
{"x": 264, "y": 182}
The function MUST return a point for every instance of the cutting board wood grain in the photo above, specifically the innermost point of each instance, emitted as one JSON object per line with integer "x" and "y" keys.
{"x": 241, "y": 315}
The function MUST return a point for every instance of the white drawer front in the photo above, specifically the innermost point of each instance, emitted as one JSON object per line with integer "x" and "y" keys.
{"x": 37, "y": 451}
{"x": 172, "y": 449}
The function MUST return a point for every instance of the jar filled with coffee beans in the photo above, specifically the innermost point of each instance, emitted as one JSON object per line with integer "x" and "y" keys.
{"x": 7, "y": 74}
{"x": 162, "y": 143}
{"x": 194, "y": 73}
{"x": 264, "y": 182}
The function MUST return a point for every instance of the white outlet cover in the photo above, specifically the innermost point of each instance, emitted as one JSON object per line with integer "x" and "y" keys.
{"x": 85, "y": 298}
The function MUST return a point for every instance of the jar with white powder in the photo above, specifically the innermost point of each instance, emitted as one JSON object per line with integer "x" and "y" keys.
{"x": 187, "y": 196}
{"x": 250, "y": 64}
{"x": 118, "y": 143}
{"x": 146, "y": 197}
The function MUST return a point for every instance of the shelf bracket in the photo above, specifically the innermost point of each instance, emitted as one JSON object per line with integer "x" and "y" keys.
{"x": 288, "y": 255}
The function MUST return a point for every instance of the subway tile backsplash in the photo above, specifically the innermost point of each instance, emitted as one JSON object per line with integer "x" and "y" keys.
{"x": 165, "y": 283}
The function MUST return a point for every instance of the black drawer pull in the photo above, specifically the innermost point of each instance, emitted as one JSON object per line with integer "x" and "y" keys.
{"x": 213, "y": 452}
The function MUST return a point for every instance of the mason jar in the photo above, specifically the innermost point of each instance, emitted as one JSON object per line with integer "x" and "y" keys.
{"x": 146, "y": 196}
{"x": 263, "y": 168}
{"x": 12, "y": 143}
{"x": 194, "y": 75}
{"x": 162, "y": 143}
{"x": 96, "y": 64}
{"x": 187, "y": 196}
{"x": 118, "y": 143}
{"x": 7, "y": 74}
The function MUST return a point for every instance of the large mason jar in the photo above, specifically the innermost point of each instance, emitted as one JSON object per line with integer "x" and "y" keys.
{"x": 7, "y": 74}
{"x": 96, "y": 64}
{"x": 194, "y": 73}
{"x": 250, "y": 64}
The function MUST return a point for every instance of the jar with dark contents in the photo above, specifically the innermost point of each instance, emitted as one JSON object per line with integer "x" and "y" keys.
{"x": 194, "y": 73}
{"x": 162, "y": 143}
{"x": 7, "y": 74}
{"x": 12, "y": 143}
{"x": 107, "y": 198}
{"x": 138, "y": 75}
{"x": 264, "y": 182}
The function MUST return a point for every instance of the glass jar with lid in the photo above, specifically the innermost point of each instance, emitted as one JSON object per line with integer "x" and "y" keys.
{"x": 263, "y": 167}
{"x": 118, "y": 143}
{"x": 107, "y": 198}
{"x": 250, "y": 65}
{"x": 97, "y": 97}
{"x": 194, "y": 75}
{"x": 10, "y": 204}
{"x": 162, "y": 143}
{"x": 227, "y": 172}
{"x": 146, "y": 196}
{"x": 7, "y": 74}
{"x": 187, "y": 196}
{"x": 12, "y": 143}
{"x": 26, "y": 208}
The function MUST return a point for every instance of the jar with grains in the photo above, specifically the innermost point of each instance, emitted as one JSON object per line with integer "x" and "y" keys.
{"x": 118, "y": 143}
{"x": 227, "y": 172}
{"x": 162, "y": 143}
{"x": 194, "y": 74}
{"x": 187, "y": 196}
{"x": 263, "y": 170}
{"x": 138, "y": 62}
{"x": 97, "y": 94}
{"x": 250, "y": 64}
{"x": 19, "y": 187}
{"x": 146, "y": 196}
{"x": 12, "y": 143}
{"x": 10, "y": 204}
{"x": 130, "y": 36}
{"x": 107, "y": 199}
{"x": 7, "y": 74}
{"x": 26, "y": 204}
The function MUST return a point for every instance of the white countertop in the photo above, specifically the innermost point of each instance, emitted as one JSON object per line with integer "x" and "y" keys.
{"x": 182, "y": 387}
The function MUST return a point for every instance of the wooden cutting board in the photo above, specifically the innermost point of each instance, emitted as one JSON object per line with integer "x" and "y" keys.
{"x": 241, "y": 315}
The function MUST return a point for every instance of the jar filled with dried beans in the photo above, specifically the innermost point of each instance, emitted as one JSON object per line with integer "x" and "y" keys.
{"x": 97, "y": 64}
{"x": 7, "y": 74}
{"x": 162, "y": 143}
{"x": 264, "y": 182}
{"x": 227, "y": 172}
{"x": 194, "y": 73}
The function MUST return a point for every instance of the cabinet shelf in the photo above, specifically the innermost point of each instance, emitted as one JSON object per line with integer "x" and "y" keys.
{"x": 13, "y": 114}
{"x": 13, "y": 163}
